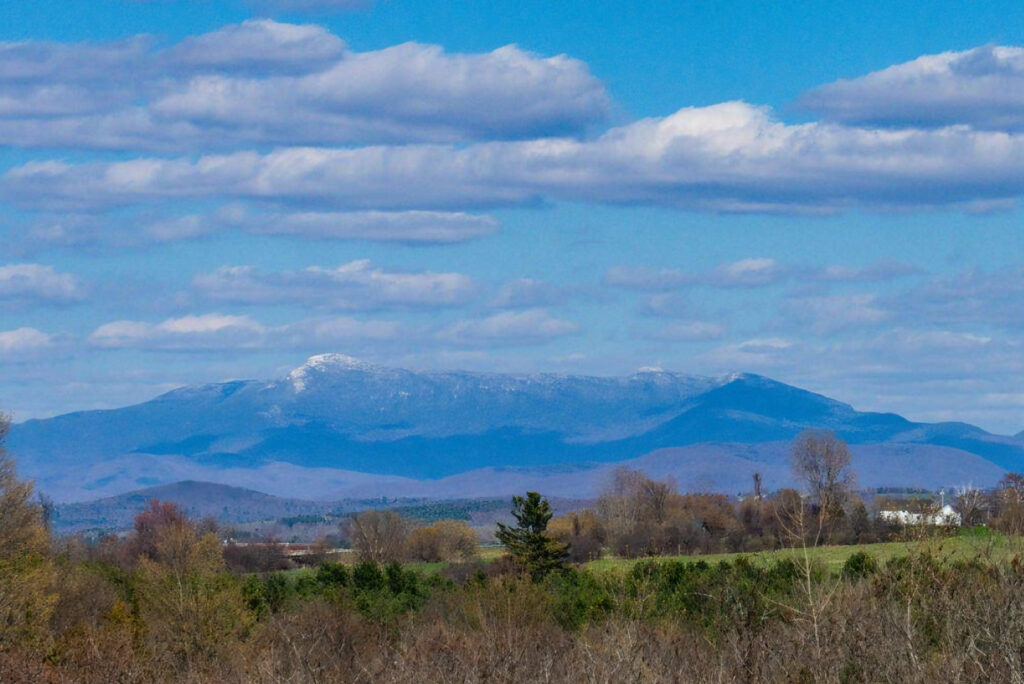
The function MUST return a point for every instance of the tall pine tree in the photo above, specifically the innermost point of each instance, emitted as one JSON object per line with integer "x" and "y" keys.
{"x": 537, "y": 553}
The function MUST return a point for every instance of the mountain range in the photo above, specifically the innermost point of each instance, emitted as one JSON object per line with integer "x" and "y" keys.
{"x": 339, "y": 428}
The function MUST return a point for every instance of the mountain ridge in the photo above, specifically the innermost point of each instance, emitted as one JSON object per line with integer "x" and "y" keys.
{"x": 338, "y": 414}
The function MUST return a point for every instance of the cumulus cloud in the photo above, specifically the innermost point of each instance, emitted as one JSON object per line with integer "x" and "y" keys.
{"x": 23, "y": 342}
{"x": 406, "y": 92}
{"x": 355, "y": 285}
{"x": 188, "y": 332}
{"x": 258, "y": 45}
{"x": 213, "y": 332}
{"x": 37, "y": 283}
{"x": 267, "y": 82}
{"x": 509, "y": 328}
{"x": 730, "y": 157}
{"x": 39, "y": 62}
{"x": 982, "y": 87}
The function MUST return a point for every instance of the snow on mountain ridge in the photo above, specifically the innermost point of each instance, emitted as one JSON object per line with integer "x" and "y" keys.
{"x": 325, "y": 363}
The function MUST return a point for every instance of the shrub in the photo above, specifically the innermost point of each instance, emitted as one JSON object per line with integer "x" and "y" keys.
{"x": 860, "y": 564}
{"x": 332, "y": 575}
{"x": 444, "y": 540}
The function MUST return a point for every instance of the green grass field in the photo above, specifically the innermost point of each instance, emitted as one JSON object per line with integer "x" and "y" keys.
{"x": 966, "y": 544}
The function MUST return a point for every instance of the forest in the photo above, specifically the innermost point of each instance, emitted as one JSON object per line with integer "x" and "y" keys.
{"x": 623, "y": 592}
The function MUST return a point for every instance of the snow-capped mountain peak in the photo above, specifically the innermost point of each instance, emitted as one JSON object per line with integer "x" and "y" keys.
{"x": 322, "y": 364}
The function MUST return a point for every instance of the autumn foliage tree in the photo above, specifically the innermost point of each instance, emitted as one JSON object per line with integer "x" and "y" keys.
{"x": 186, "y": 599}
{"x": 26, "y": 570}
{"x": 582, "y": 532}
{"x": 443, "y": 540}
{"x": 151, "y": 524}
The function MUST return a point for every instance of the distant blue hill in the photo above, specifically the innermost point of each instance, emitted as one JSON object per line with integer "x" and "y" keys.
{"x": 358, "y": 423}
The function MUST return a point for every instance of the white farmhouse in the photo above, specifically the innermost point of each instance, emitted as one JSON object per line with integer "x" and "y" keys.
{"x": 945, "y": 516}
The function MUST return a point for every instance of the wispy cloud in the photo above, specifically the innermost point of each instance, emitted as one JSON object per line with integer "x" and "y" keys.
{"x": 355, "y": 285}
{"x": 749, "y": 273}
{"x": 220, "y": 332}
{"x": 38, "y": 283}
{"x": 509, "y": 328}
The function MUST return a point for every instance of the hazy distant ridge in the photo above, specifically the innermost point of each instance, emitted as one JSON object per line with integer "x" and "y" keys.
{"x": 335, "y": 427}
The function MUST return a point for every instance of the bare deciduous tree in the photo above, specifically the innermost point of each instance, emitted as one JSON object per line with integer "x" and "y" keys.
{"x": 971, "y": 503}
{"x": 1010, "y": 503}
{"x": 821, "y": 461}
{"x": 378, "y": 536}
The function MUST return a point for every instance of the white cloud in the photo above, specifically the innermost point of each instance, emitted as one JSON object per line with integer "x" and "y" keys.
{"x": 829, "y": 314}
{"x": 213, "y": 332}
{"x": 403, "y": 227}
{"x": 881, "y": 271}
{"x": 38, "y": 283}
{"x": 264, "y": 81}
{"x": 668, "y": 305}
{"x": 324, "y": 332}
{"x": 755, "y": 354}
{"x": 258, "y": 45}
{"x": 411, "y": 227}
{"x": 753, "y": 272}
{"x": 207, "y": 331}
{"x": 982, "y": 87}
{"x": 749, "y": 273}
{"x": 971, "y": 298}
{"x": 23, "y": 342}
{"x": 355, "y": 285}
{"x": 31, "y": 61}
{"x": 509, "y": 328}
{"x": 730, "y": 157}
{"x": 406, "y": 92}
{"x": 923, "y": 374}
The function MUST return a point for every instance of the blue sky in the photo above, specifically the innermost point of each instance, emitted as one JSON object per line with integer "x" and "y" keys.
{"x": 197, "y": 190}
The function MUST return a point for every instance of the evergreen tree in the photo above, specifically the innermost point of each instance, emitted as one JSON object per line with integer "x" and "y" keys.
{"x": 535, "y": 551}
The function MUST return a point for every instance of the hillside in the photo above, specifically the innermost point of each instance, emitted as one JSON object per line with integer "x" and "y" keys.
{"x": 198, "y": 499}
{"x": 337, "y": 428}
